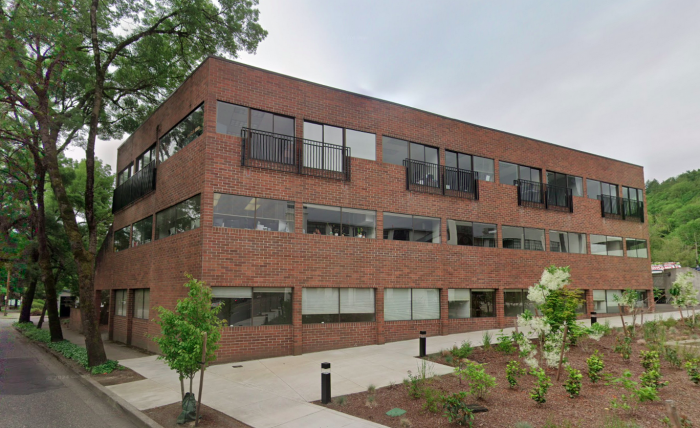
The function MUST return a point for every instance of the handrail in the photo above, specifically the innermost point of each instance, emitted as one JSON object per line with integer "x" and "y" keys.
{"x": 542, "y": 195}
{"x": 438, "y": 179}
{"x": 136, "y": 187}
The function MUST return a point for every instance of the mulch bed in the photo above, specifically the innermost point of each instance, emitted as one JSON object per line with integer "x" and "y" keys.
{"x": 508, "y": 406}
{"x": 210, "y": 418}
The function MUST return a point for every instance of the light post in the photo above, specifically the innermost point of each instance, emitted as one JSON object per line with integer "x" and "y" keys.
{"x": 326, "y": 383}
{"x": 594, "y": 317}
{"x": 422, "y": 344}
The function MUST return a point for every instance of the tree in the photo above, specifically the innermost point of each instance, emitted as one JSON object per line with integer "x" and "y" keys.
{"x": 101, "y": 66}
{"x": 684, "y": 294}
{"x": 180, "y": 340}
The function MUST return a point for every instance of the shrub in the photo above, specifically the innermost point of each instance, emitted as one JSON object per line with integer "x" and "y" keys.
{"x": 623, "y": 347}
{"x": 432, "y": 400}
{"x": 625, "y": 401}
{"x": 479, "y": 381}
{"x": 371, "y": 389}
{"x": 693, "y": 368}
{"x": 486, "y": 340}
{"x": 414, "y": 385}
{"x": 652, "y": 374}
{"x": 542, "y": 384}
{"x": 463, "y": 351}
{"x": 595, "y": 366}
{"x": 371, "y": 401}
{"x": 513, "y": 370}
{"x": 456, "y": 409}
{"x": 573, "y": 382}
{"x": 671, "y": 356}
{"x": 340, "y": 401}
{"x": 505, "y": 345}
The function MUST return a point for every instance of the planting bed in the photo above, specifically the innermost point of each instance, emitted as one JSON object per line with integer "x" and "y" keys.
{"x": 508, "y": 406}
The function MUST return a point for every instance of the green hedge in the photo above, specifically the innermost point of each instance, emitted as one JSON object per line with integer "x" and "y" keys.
{"x": 65, "y": 348}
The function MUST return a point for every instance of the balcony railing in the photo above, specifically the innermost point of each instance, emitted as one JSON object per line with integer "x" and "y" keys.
{"x": 294, "y": 154}
{"x": 136, "y": 187}
{"x": 441, "y": 180}
{"x": 541, "y": 195}
{"x": 621, "y": 208}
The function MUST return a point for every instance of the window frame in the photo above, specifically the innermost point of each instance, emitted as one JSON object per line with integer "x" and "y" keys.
{"x": 566, "y": 178}
{"x": 518, "y": 177}
{"x": 133, "y": 226}
{"x": 128, "y": 239}
{"x": 412, "y": 311}
{"x": 639, "y": 197}
{"x": 568, "y": 242}
{"x": 473, "y": 239}
{"x": 145, "y": 296}
{"x": 471, "y": 168}
{"x": 636, "y": 250}
{"x": 607, "y": 251}
{"x": 197, "y": 221}
{"x": 165, "y": 134}
{"x": 138, "y": 165}
{"x": 128, "y": 170}
{"x": 342, "y": 224}
{"x": 413, "y": 228}
{"x": 249, "y": 123}
{"x": 339, "y": 313}
{"x": 290, "y": 204}
{"x": 408, "y": 151}
{"x": 252, "y": 304}
{"x": 121, "y": 303}
{"x": 344, "y": 136}
{"x": 523, "y": 239}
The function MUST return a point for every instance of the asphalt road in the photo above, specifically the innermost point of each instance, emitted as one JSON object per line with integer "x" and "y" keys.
{"x": 37, "y": 391}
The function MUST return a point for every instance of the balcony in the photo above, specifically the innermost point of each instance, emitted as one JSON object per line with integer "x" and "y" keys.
{"x": 294, "y": 154}
{"x": 541, "y": 195}
{"x": 621, "y": 208}
{"x": 441, "y": 180}
{"x": 136, "y": 187}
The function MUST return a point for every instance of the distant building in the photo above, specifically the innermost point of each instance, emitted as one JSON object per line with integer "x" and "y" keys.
{"x": 665, "y": 280}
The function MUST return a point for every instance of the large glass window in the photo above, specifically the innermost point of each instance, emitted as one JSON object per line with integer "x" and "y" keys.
{"x": 327, "y": 220}
{"x": 142, "y": 232}
{"x": 121, "y": 238}
{"x": 270, "y": 122}
{"x": 411, "y": 304}
{"x": 637, "y": 248}
{"x": 510, "y": 172}
{"x": 632, "y": 194}
{"x": 319, "y": 156}
{"x": 595, "y": 188}
{"x": 178, "y": 218}
{"x": 606, "y": 301}
{"x": 567, "y": 242}
{"x": 142, "y": 300}
{"x": 470, "y": 303}
{"x": 120, "y": 301}
{"x": 515, "y": 302}
{"x": 401, "y": 227}
{"x": 361, "y": 144}
{"x": 245, "y": 212}
{"x": 230, "y": 118}
{"x": 330, "y": 305}
{"x": 606, "y": 245}
{"x": 396, "y": 151}
{"x": 182, "y": 134}
{"x": 482, "y": 166}
{"x": 599, "y": 303}
{"x": 523, "y": 238}
{"x": 253, "y": 306}
{"x": 483, "y": 304}
{"x": 124, "y": 175}
{"x": 146, "y": 158}
{"x": 566, "y": 181}
{"x": 469, "y": 233}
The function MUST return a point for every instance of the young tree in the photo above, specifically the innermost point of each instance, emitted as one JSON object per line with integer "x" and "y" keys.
{"x": 684, "y": 294}
{"x": 180, "y": 340}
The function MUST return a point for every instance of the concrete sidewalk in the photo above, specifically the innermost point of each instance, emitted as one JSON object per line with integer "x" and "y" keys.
{"x": 276, "y": 392}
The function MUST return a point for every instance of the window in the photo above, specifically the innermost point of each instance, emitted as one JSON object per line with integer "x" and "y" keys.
{"x": 599, "y": 304}
{"x": 482, "y": 166}
{"x": 253, "y": 306}
{"x": 120, "y": 303}
{"x": 637, "y": 248}
{"x": 468, "y": 233}
{"x": 230, "y": 118}
{"x": 146, "y": 158}
{"x": 329, "y": 305}
{"x": 326, "y": 220}
{"x": 401, "y": 227}
{"x": 396, "y": 151}
{"x": 142, "y": 303}
{"x": 606, "y": 245}
{"x": 566, "y": 181}
{"x": 124, "y": 175}
{"x": 322, "y": 156}
{"x": 362, "y": 144}
{"x": 510, "y": 173}
{"x": 604, "y": 301}
{"x": 633, "y": 194}
{"x": 121, "y": 239}
{"x": 642, "y": 299}
{"x": 411, "y": 304}
{"x": 515, "y": 302}
{"x": 523, "y": 238}
{"x": 597, "y": 188}
{"x": 182, "y": 134}
{"x": 142, "y": 232}
{"x": 567, "y": 242}
{"x": 470, "y": 303}
{"x": 246, "y": 212}
{"x": 178, "y": 218}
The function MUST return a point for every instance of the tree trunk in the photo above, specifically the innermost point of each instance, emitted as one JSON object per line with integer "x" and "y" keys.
{"x": 41, "y": 318}
{"x": 182, "y": 387}
{"x": 26, "y": 312}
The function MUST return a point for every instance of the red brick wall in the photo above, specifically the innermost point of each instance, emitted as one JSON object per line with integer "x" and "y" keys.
{"x": 119, "y": 329}
{"x": 139, "y": 336}
{"x": 229, "y": 257}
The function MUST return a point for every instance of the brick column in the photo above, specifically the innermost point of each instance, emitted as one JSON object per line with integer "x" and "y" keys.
{"x": 379, "y": 314}
{"x": 444, "y": 314}
{"x": 297, "y": 333}
{"x": 500, "y": 310}
{"x": 129, "y": 314}
{"x": 112, "y": 308}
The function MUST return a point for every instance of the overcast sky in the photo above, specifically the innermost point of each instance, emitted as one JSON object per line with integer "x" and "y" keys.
{"x": 615, "y": 78}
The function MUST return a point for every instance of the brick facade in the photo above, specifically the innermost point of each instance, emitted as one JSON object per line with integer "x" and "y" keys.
{"x": 236, "y": 257}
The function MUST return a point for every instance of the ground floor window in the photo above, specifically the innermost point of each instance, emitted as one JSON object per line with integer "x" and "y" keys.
{"x": 142, "y": 299}
{"x": 253, "y": 306}
{"x": 604, "y": 301}
{"x": 332, "y": 305}
{"x": 120, "y": 302}
{"x": 470, "y": 303}
{"x": 411, "y": 304}
{"x": 515, "y": 302}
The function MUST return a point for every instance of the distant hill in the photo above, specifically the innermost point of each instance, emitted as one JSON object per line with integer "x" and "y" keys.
{"x": 674, "y": 218}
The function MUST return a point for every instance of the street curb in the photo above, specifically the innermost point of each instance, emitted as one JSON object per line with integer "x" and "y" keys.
{"x": 135, "y": 415}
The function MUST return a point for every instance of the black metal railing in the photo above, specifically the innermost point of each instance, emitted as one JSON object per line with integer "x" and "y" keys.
{"x": 437, "y": 179}
{"x": 279, "y": 152}
{"x": 541, "y": 195}
{"x": 621, "y": 208}
{"x": 137, "y": 186}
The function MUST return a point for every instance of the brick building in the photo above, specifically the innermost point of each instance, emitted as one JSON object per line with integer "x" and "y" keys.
{"x": 325, "y": 219}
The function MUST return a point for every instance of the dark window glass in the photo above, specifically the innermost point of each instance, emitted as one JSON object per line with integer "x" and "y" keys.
{"x": 124, "y": 175}
{"x": 512, "y": 237}
{"x": 485, "y": 235}
{"x": 322, "y": 220}
{"x": 362, "y": 144}
{"x": 230, "y": 118}
{"x": 398, "y": 227}
{"x": 182, "y": 134}
{"x": 637, "y": 248}
{"x": 245, "y": 212}
{"x": 567, "y": 242}
{"x": 121, "y": 238}
{"x": 484, "y": 167}
{"x": 394, "y": 151}
{"x": 483, "y": 303}
{"x": 534, "y": 239}
{"x": 426, "y": 229}
{"x": 598, "y": 245}
{"x": 237, "y": 305}
{"x": 632, "y": 193}
{"x": 607, "y": 245}
{"x": 575, "y": 184}
{"x": 468, "y": 233}
{"x": 323, "y": 156}
{"x": 358, "y": 223}
{"x": 458, "y": 303}
{"x": 614, "y": 245}
{"x": 178, "y": 218}
{"x": 593, "y": 188}
{"x": 146, "y": 157}
{"x": 143, "y": 232}
{"x": 120, "y": 303}
{"x": 142, "y": 299}
{"x": 508, "y": 172}
{"x": 514, "y": 302}
{"x": 246, "y": 306}
{"x": 450, "y": 159}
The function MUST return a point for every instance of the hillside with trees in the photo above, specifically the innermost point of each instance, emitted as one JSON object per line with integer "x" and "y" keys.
{"x": 674, "y": 218}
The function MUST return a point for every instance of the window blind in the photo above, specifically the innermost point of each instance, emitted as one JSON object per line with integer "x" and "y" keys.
{"x": 356, "y": 300}
{"x": 397, "y": 304}
{"x": 319, "y": 301}
{"x": 426, "y": 304}
{"x": 457, "y": 295}
{"x": 232, "y": 292}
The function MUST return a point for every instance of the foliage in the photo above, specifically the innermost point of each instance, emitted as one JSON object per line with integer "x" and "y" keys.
{"x": 371, "y": 389}
{"x": 614, "y": 421}
{"x": 414, "y": 385}
{"x": 513, "y": 371}
{"x": 573, "y": 382}
{"x": 181, "y": 337}
{"x": 464, "y": 350}
{"x": 652, "y": 366}
{"x": 595, "y": 366}
{"x": 683, "y": 292}
{"x": 598, "y": 330}
{"x": 340, "y": 401}
{"x": 433, "y": 399}
{"x": 693, "y": 368}
{"x": 635, "y": 392}
{"x": 505, "y": 344}
{"x": 684, "y": 420}
{"x": 671, "y": 356}
{"x": 623, "y": 347}
{"x": 542, "y": 384}
{"x": 478, "y": 380}
{"x": 456, "y": 410}
{"x": 486, "y": 339}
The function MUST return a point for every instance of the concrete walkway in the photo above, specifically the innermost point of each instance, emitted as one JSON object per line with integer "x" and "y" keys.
{"x": 276, "y": 392}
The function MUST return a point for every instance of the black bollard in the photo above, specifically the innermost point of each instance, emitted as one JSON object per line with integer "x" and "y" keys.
{"x": 326, "y": 383}
{"x": 594, "y": 317}
{"x": 421, "y": 344}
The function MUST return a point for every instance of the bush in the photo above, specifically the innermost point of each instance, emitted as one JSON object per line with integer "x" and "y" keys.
{"x": 432, "y": 400}
{"x": 414, "y": 385}
{"x": 595, "y": 366}
{"x": 652, "y": 374}
{"x": 573, "y": 382}
{"x": 464, "y": 350}
{"x": 671, "y": 356}
{"x": 505, "y": 345}
{"x": 486, "y": 340}
{"x": 539, "y": 392}
{"x": 693, "y": 368}
{"x": 513, "y": 370}
{"x": 479, "y": 381}
{"x": 623, "y": 347}
{"x": 456, "y": 409}
{"x": 340, "y": 401}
